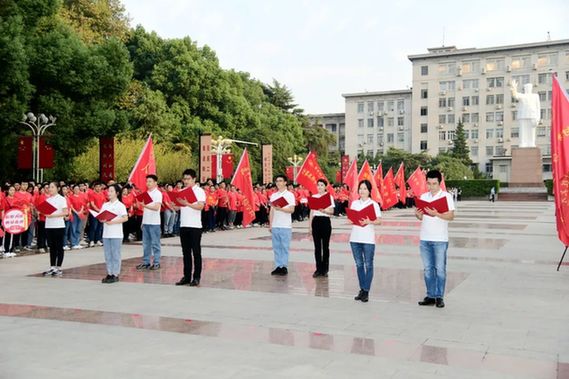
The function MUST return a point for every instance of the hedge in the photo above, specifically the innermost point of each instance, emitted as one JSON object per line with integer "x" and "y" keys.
{"x": 474, "y": 188}
{"x": 549, "y": 185}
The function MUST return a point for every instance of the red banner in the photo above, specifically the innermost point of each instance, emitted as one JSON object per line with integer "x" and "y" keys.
{"x": 388, "y": 191}
{"x": 205, "y": 158}
{"x": 290, "y": 173}
{"x": 267, "y": 157}
{"x": 417, "y": 182}
{"x": 345, "y": 165}
{"x": 226, "y": 166}
{"x": 145, "y": 165}
{"x": 400, "y": 182}
{"x": 242, "y": 180}
{"x": 560, "y": 158}
{"x": 107, "y": 158}
{"x": 338, "y": 176}
{"x": 366, "y": 174}
{"x": 351, "y": 180}
{"x": 443, "y": 185}
{"x": 310, "y": 172}
{"x": 47, "y": 156}
{"x": 25, "y": 153}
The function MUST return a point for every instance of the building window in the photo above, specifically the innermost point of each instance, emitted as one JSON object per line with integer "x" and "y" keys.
{"x": 474, "y": 134}
{"x": 390, "y": 105}
{"x": 541, "y": 131}
{"x": 370, "y": 139}
{"x": 370, "y": 122}
{"x": 495, "y": 82}
{"x": 474, "y": 100}
{"x": 500, "y": 151}
{"x": 474, "y": 117}
{"x": 521, "y": 62}
{"x": 442, "y": 119}
{"x": 425, "y": 93}
{"x": 331, "y": 127}
{"x": 423, "y": 145}
{"x": 361, "y": 107}
{"x": 451, "y": 135}
{"x": 474, "y": 151}
{"x": 489, "y": 133}
{"x": 360, "y": 139}
{"x": 500, "y": 98}
{"x": 370, "y": 106}
{"x": 380, "y": 106}
{"x": 547, "y": 59}
{"x": 471, "y": 67}
{"x": 521, "y": 79}
{"x": 450, "y": 102}
{"x": 424, "y": 128}
{"x": 448, "y": 85}
{"x": 466, "y": 101}
{"x": 442, "y": 102}
{"x": 400, "y": 137}
{"x": 389, "y": 137}
{"x": 466, "y": 133}
{"x": 545, "y": 114}
{"x": 499, "y": 132}
{"x": 489, "y": 151}
{"x": 490, "y": 99}
{"x": 544, "y": 78}
{"x": 423, "y": 111}
{"x": 442, "y": 136}
{"x": 515, "y": 132}
{"x": 380, "y": 121}
{"x": 499, "y": 116}
{"x": 447, "y": 68}
{"x": 489, "y": 168}
{"x": 450, "y": 118}
{"x": 424, "y": 70}
{"x": 400, "y": 105}
{"x": 400, "y": 121}
{"x": 470, "y": 83}
{"x": 489, "y": 116}
{"x": 361, "y": 123}
{"x": 514, "y": 115}
{"x": 390, "y": 121}
{"x": 496, "y": 64}
{"x": 466, "y": 118}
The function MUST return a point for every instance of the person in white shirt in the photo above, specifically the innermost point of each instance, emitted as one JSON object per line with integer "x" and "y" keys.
{"x": 362, "y": 240}
{"x": 191, "y": 231}
{"x": 113, "y": 233}
{"x": 151, "y": 226}
{"x": 280, "y": 225}
{"x": 55, "y": 229}
{"x": 320, "y": 227}
{"x": 434, "y": 240}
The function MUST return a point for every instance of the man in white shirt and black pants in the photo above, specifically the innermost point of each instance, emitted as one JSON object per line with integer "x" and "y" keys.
{"x": 280, "y": 225}
{"x": 191, "y": 231}
{"x": 151, "y": 226}
{"x": 434, "y": 240}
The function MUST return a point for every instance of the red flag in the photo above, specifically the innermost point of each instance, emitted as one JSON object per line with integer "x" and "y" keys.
{"x": 145, "y": 165}
{"x": 560, "y": 158}
{"x": 378, "y": 178}
{"x": 46, "y": 154}
{"x": 25, "y": 153}
{"x": 310, "y": 172}
{"x": 400, "y": 181}
{"x": 226, "y": 166}
{"x": 417, "y": 182}
{"x": 338, "y": 176}
{"x": 388, "y": 191}
{"x": 443, "y": 185}
{"x": 351, "y": 180}
{"x": 290, "y": 173}
{"x": 366, "y": 174}
{"x": 242, "y": 180}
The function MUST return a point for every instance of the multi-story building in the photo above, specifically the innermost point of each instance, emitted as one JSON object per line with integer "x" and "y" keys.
{"x": 335, "y": 123}
{"x": 376, "y": 121}
{"x": 473, "y": 85}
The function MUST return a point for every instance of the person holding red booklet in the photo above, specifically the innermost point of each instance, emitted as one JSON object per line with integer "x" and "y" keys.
{"x": 113, "y": 232}
{"x": 434, "y": 239}
{"x": 320, "y": 227}
{"x": 362, "y": 239}
{"x": 280, "y": 224}
{"x": 55, "y": 228}
{"x": 96, "y": 200}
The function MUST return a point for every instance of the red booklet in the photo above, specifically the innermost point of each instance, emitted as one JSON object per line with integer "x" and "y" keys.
{"x": 357, "y": 216}
{"x": 144, "y": 198}
{"x": 106, "y": 216}
{"x": 441, "y": 205}
{"x": 46, "y": 208}
{"x": 321, "y": 202}
{"x": 280, "y": 202}
{"x": 188, "y": 194}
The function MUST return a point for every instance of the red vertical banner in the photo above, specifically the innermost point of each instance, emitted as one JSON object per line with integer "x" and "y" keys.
{"x": 267, "y": 157}
{"x": 290, "y": 173}
{"x": 47, "y": 156}
{"x": 310, "y": 172}
{"x": 205, "y": 158}
{"x": 345, "y": 165}
{"x": 417, "y": 182}
{"x": 400, "y": 181}
{"x": 107, "y": 158}
{"x": 242, "y": 180}
{"x": 388, "y": 191}
{"x": 227, "y": 161}
{"x": 145, "y": 165}
{"x": 25, "y": 153}
{"x": 366, "y": 174}
{"x": 338, "y": 176}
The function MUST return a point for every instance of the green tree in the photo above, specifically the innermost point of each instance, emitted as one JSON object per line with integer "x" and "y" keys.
{"x": 460, "y": 149}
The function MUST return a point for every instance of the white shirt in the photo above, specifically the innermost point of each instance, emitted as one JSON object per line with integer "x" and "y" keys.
{"x": 435, "y": 228}
{"x": 60, "y": 203}
{"x": 282, "y": 219}
{"x": 150, "y": 217}
{"x": 321, "y": 214}
{"x": 364, "y": 234}
{"x": 114, "y": 230}
{"x": 189, "y": 217}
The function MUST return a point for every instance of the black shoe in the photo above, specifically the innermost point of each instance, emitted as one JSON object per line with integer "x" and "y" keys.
{"x": 316, "y": 274}
{"x": 155, "y": 267}
{"x": 195, "y": 283}
{"x": 365, "y": 296}
{"x": 276, "y": 271}
{"x": 440, "y": 302}
{"x": 324, "y": 274}
{"x": 143, "y": 266}
{"x": 106, "y": 279}
{"x": 115, "y": 278}
{"x": 284, "y": 271}
{"x": 183, "y": 282}
{"x": 427, "y": 301}
{"x": 360, "y": 294}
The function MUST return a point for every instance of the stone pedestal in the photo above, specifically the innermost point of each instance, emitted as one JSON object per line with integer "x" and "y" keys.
{"x": 527, "y": 170}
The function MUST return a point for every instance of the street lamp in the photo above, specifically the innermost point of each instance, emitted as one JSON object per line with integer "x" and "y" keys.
{"x": 221, "y": 146}
{"x": 38, "y": 125}
{"x": 295, "y": 161}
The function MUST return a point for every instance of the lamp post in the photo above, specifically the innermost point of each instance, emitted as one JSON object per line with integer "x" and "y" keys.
{"x": 38, "y": 125}
{"x": 295, "y": 161}
{"x": 221, "y": 146}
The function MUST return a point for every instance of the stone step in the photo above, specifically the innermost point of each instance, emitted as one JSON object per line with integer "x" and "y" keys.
{"x": 522, "y": 196}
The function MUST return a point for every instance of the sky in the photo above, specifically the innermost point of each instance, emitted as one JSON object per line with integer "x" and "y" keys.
{"x": 322, "y": 49}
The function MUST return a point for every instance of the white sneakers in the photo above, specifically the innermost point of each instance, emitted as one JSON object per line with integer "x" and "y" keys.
{"x": 99, "y": 243}
{"x": 91, "y": 244}
{"x": 66, "y": 247}
{"x": 77, "y": 247}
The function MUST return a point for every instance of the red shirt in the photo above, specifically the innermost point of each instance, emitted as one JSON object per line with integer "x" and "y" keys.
{"x": 232, "y": 200}
{"x": 211, "y": 199}
{"x": 222, "y": 197}
{"x": 240, "y": 198}
{"x": 76, "y": 202}
{"x": 98, "y": 199}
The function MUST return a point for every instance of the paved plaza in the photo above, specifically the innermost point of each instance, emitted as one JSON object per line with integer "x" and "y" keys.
{"x": 506, "y": 316}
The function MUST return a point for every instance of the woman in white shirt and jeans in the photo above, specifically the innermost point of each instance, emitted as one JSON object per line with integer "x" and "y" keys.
{"x": 55, "y": 229}
{"x": 113, "y": 233}
{"x": 362, "y": 240}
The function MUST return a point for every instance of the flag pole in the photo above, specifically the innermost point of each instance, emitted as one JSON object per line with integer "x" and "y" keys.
{"x": 563, "y": 256}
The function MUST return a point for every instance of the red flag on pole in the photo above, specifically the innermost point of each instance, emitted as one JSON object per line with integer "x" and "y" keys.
{"x": 242, "y": 180}
{"x": 25, "y": 153}
{"x": 388, "y": 191}
{"x": 366, "y": 174}
{"x": 145, "y": 165}
{"x": 290, "y": 173}
{"x": 310, "y": 172}
{"x": 400, "y": 181}
{"x": 443, "y": 185}
{"x": 417, "y": 182}
{"x": 560, "y": 158}
{"x": 351, "y": 180}
{"x": 47, "y": 158}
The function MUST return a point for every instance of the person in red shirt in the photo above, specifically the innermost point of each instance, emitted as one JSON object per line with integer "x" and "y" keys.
{"x": 211, "y": 205}
{"x": 232, "y": 206}
{"x": 12, "y": 241}
{"x": 25, "y": 199}
{"x": 76, "y": 206}
{"x": 127, "y": 199}
{"x": 222, "y": 206}
{"x": 39, "y": 198}
{"x": 96, "y": 201}
{"x": 239, "y": 215}
{"x": 168, "y": 211}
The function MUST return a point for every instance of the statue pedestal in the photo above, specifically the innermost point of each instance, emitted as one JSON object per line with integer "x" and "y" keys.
{"x": 526, "y": 177}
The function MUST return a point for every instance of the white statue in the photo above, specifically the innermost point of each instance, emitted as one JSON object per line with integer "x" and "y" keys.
{"x": 528, "y": 113}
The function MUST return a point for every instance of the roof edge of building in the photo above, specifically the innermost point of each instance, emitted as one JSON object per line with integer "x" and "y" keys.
{"x": 378, "y": 93}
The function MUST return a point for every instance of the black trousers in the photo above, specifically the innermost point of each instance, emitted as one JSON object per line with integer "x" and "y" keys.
{"x": 191, "y": 240}
{"x": 55, "y": 240}
{"x": 41, "y": 234}
{"x": 321, "y": 231}
{"x": 221, "y": 217}
{"x": 15, "y": 241}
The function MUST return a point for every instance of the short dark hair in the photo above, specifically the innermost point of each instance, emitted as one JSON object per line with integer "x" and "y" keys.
{"x": 367, "y": 184}
{"x": 283, "y": 177}
{"x": 435, "y": 174}
{"x": 191, "y": 172}
{"x": 152, "y": 176}
{"x": 323, "y": 181}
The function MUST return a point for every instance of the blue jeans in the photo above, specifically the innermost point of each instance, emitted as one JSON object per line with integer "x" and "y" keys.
{"x": 151, "y": 243}
{"x": 169, "y": 221}
{"x": 434, "y": 256}
{"x": 67, "y": 234}
{"x": 95, "y": 229}
{"x": 281, "y": 241}
{"x": 363, "y": 255}
{"x": 76, "y": 230}
{"x": 112, "y": 248}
